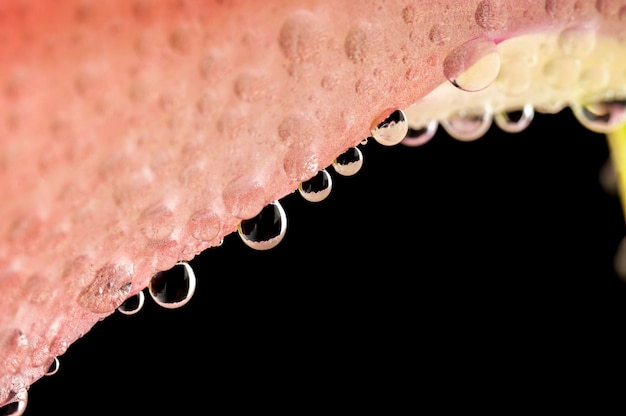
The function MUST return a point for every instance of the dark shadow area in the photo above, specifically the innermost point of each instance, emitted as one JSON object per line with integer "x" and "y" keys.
{"x": 429, "y": 259}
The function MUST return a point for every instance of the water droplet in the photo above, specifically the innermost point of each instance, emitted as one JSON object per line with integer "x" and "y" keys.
{"x": 491, "y": 14}
{"x": 515, "y": 121}
{"x": 54, "y": 367}
{"x": 157, "y": 222}
{"x": 392, "y": 130}
{"x": 266, "y": 230}
{"x": 364, "y": 141}
{"x": 417, "y": 136}
{"x": 204, "y": 225}
{"x": 468, "y": 127}
{"x": 562, "y": 73}
{"x": 108, "y": 290}
{"x": 559, "y": 9}
{"x": 301, "y": 36}
{"x": 173, "y": 288}
{"x": 473, "y": 66}
{"x": 439, "y": 34}
{"x": 317, "y": 188}
{"x": 243, "y": 197}
{"x": 17, "y": 407}
{"x": 133, "y": 304}
{"x": 349, "y": 162}
{"x": 601, "y": 117}
{"x": 577, "y": 41}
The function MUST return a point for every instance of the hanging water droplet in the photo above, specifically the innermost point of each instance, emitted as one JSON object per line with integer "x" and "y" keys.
{"x": 601, "y": 117}
{"x": 392, "y": 129}
{"x": 473, "y": 66}
{"x": 515, "y": 121}
{"x": 417, "y": 136}
{"x": 468, "y": 127}
{"x": 54, "y": 367}
{"x": 266, "y": 230}
{"x": 364, "y": 141}
{"x": 317, "y": 188}
{"x": 173, "y": 288}
{"x": 133, "y": 304}
{"x": 17, "y": 407}
{"x": 349, "y": 162}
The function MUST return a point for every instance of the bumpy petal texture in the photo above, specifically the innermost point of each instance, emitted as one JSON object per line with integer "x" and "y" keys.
{"x": 135, "y": 134}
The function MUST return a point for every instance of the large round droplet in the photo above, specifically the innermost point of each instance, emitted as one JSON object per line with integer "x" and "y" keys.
{"x": 468, "y": 127}
{"x": 392, "y": 130}
{"x": 266, "y": 230}
{"x": 515, "y": 121}
{"x": 54, "y": 368}
{"x": 173, "y": 288}
{"x": 17, "y": 407}
{"x": 317, "y": 188}
{"x": 133, "y": 304}
{"x": 473, "y": 66}
{"x": 349, "y": 162}
{"x": 601, "y": 117}
{"x": 417, "y": 136}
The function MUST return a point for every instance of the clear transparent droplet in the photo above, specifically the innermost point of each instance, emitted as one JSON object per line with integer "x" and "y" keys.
{"x": 349, "y": 162}
{"x": 173, "y": 288}
{"x": 392, "y": 130}
{"x": 468, "y": 127}
{"x": 266, "y": 230}
{"x": 17, "y": 407}
{"x": 364, "y": 141}
{"x": 473, "y": 66}
{"x": 133, "y": 304}
{"x": 417, "y": 136}
{"x": 317, "y": 188}
{"x": 601, "y": 117}
{"x": 515, "y": 121}
{"x": 54, "y": 367}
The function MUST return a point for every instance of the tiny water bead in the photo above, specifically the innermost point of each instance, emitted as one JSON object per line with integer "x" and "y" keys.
{"x": 317, "y": 188}
{"x": 601, "y": 117}
{"x": 133, "y": 304}
{"x": 54, "y": 368}
{"x": 17, "y": 407}
{"x": 515, "y": 121}
{"x": 266, "y": 230}
{"x": 349, "y": 162}
{"x": 474, "y": 65}
{"x": 392, "y": 130}
{"x": 173, "y": 288}
{"x": 417, "y": 136}
{"x": 468, "y": 127}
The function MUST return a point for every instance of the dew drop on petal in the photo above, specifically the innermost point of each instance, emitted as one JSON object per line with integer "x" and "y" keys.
{"x": 133, "y": 304}
{"x": 349, "y": 162}
{"x": 515, "y": 121}
{"x": 601, "y": 117}
{"x": 317, "y": 188}
{"x": 417, "y": 136}
{"x": 266, "y": 230}
{"x": 392, "y": 130}
{"x": 17, "y": 407}
{"x": 173, "y": 288}
{"x": 473, "y": 66}
{"x": 54, "y": 367}
{"x": 468, "y": 127}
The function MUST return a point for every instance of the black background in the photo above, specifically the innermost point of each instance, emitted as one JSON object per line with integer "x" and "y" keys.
{"x": 428, "y": 260}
